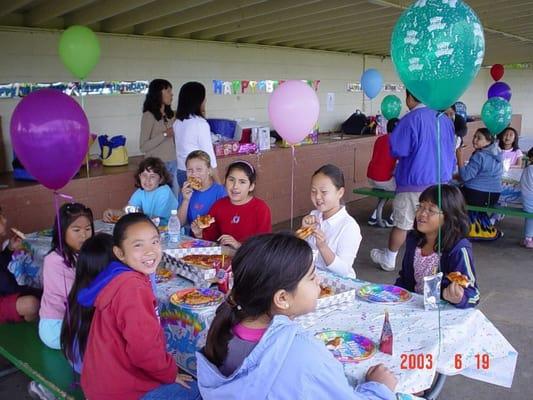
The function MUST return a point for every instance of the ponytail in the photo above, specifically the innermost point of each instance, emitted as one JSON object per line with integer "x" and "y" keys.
{"x": 220, "y": 333}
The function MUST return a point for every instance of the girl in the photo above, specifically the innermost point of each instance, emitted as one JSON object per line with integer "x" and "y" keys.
{"x": 157, "y": 135}
{"x": 153, "y": 196}
{"x": 482, "y": 178}
{"x": 336, "y": 235}
{"x": 95, "y": 254}
{"x": 511, "y": 153}
{"x": 17, "y": 303}
{"x": 125, "y": 356}
{"x": 191, "y": 130}
{"x": 198, "y": 202}
{"x": 75, "y": 227}
{"x": 421, "y": 257}
{"x": 240, "y": 215}
{"x": 381, "y": 169}
{"x": 255, "y": 351}
{"x": 526, "y": 187}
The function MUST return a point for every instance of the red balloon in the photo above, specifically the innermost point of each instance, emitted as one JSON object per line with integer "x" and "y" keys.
{"x": 497, "y": 71}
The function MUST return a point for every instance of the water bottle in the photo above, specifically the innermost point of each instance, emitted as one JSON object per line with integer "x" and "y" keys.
{"x": 174, "y": 227}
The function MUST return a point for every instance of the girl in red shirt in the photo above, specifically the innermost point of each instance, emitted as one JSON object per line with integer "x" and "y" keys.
{"x": 241, "y": 214}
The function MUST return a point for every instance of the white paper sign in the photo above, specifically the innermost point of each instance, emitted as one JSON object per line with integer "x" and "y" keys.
{"x": 331, "y": 102}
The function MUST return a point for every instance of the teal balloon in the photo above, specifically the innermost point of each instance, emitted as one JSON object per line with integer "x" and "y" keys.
{"x": 79, "y": 49}
{"x": 391, "y": 106}
{"x": 496, "y": 114}
{"x": 437, "y": 48}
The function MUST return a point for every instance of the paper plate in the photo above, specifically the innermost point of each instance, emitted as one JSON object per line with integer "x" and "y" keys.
{"x": 386, "y": 294}
{"x": 204, "y": 298}
{"x": 347, "y": 346}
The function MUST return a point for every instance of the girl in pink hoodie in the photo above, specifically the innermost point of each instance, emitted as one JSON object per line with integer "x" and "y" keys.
{"x": 75, "y": 226}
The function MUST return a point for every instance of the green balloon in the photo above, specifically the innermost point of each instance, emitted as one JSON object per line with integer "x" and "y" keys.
{"x": 496, "y": 114}
{"x": 391, "y": 106}
{"x": 437, "y": 48}
{"x": 79, "y": 50}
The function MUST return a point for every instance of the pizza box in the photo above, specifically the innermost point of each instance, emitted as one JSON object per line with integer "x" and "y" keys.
{"x": 341, "y": 293}
{"x": 190, "y": 246}
{"x": 207, "y": 273}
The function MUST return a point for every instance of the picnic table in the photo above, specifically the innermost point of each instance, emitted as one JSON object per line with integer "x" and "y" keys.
{"x": 451, "y": 342}
{"x": 426, "y": 343}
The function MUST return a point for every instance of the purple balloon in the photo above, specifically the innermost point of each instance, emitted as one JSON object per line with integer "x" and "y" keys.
{"x": 50, "y": 135}
{"x": 500, "y": 89}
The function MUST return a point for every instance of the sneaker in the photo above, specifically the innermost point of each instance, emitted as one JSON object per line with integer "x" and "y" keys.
{"x": 372, "y": 221}
{"x": 39, "y": 392}
{"x": 379, "y": 257}
{"x": 389, "y": 222}
{"x": 528, "y": 243}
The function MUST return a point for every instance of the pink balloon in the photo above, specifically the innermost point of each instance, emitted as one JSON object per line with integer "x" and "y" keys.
{"x": 293, "y": 110}
{"x": 50, "y": 135}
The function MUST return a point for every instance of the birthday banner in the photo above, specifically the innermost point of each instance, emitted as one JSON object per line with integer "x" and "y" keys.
{"x": 353, "y": 87}
{"x": 252, "y": 87}
{"x": 21, "y": 89}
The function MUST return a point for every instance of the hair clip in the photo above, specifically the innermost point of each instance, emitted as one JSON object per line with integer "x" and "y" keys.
{"x": 233, "y": 304}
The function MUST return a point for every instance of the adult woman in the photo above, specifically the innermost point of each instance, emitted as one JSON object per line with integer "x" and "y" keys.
{"x": 191, "y": 130}
{"x": 157, "y": 135}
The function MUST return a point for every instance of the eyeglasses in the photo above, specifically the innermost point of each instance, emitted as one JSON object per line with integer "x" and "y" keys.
{"x": 429, "y": 211}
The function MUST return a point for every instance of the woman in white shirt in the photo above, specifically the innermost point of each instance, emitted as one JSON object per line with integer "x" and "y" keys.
{"x": 191, "y": 130}
{"x": 336, "y": 235}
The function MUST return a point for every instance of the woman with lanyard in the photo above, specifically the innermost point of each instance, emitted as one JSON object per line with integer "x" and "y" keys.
{"x": 157, "y": 135}
{"x": 191, "y": 130}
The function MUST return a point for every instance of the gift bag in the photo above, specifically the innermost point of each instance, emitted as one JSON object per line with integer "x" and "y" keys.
{"x": 113, "y": 151}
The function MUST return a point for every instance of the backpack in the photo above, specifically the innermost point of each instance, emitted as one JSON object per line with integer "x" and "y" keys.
{"x": 355, "y": 124}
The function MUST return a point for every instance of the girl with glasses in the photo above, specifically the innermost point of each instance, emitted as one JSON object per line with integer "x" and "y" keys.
{"x": 422, "y": 257}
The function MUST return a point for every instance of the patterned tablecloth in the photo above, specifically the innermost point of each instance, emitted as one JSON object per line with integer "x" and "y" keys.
{"x": 469, "y": 343}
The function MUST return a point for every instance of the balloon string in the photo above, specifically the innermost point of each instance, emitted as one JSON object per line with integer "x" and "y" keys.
{"x": 293, "y": 151}
{"x": 57, "y": 197}
{"x": 439, "y": 235}
{"x": 82, "y": 84}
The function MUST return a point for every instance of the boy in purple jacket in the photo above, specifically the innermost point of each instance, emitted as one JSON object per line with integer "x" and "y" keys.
{"x": 414, "y": 143}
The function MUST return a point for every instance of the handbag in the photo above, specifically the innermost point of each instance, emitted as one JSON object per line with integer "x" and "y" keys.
{"x": 113, "y": 152}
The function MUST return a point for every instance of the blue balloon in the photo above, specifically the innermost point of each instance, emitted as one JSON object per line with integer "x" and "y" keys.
{"x": 371, "y": 82}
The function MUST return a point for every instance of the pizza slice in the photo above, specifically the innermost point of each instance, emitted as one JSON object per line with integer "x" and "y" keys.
{"x": 304, "y": 232}
{"x": 334, "y": 343}
{"x": 458, "y": 278}
{"x": 195, "y": 183}
{"x": 204, "y": 221}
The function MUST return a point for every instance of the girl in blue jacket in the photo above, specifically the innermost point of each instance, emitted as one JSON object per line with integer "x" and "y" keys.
{"x": 255, "y": 351}
{"x": 482, "y": 178}
{"x": 421, "y": 249}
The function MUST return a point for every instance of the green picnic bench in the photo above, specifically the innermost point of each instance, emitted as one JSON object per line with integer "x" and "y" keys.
{"x": 20, "y": 344}
{"x": 384, "y": 195}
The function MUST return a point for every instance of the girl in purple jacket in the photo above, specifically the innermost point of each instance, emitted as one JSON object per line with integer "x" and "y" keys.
{"x": 422, "y": 256}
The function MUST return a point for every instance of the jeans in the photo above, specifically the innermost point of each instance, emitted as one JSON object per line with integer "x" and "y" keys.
{"x": 172, "y": 168}
{"x": 50, "y": 331}
{"x": 174, "y": 391}
{"x": 528, "y": 225}
{"x": 478, "y": 198}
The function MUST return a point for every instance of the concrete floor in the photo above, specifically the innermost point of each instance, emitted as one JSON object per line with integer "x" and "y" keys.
{"x": 505, "y": 275}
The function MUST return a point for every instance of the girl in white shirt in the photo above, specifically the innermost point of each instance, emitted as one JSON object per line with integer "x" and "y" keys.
{"x": 336, "y": 236}
{"x": 191, "y": 130}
